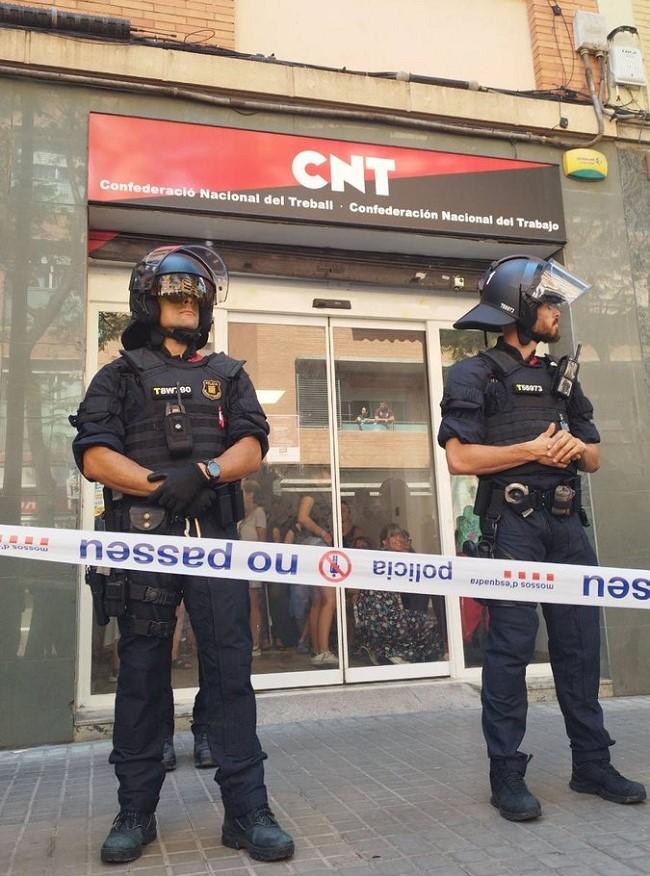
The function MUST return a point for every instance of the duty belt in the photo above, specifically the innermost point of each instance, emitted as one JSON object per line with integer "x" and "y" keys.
{"x": 562, "y": 500}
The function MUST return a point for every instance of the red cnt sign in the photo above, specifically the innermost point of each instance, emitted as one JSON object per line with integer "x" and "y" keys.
{"x": 190, "y": 167}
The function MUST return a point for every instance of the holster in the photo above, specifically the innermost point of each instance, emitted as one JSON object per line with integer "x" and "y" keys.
{"x": 229, "y": 506}
{"x": 96, "y": 582}
{"x": 116, "y": 593}
{"x": 109, "y": 593}
{"x": 487, "y": 507}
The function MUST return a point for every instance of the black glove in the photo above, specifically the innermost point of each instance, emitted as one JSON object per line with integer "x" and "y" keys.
{"x": 201, "y": 503}
{"x": 179, "y": 488}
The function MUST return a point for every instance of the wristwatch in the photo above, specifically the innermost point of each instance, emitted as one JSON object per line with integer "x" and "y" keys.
{"x": 213, "y": 469}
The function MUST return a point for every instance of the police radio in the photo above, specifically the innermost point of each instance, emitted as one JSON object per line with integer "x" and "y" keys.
{"x": 178, "y": 427}
{"x": 567, "y": 374}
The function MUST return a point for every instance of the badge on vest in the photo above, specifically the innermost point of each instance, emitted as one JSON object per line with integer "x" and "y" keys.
{"x": 171, "y": 391}
{"x": 211, "y": 389}
{"x": 527, "y": 388}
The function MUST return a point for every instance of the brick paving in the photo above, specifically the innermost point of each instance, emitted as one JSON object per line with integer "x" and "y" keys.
{"x": 380, "y": 795}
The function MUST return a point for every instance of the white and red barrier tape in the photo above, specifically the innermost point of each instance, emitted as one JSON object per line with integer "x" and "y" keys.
{"x": 524, "y": 581}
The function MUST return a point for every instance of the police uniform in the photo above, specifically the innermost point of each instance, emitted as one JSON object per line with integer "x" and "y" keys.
{"x": 497, "y": 398}
{"x": 124, "y": 410}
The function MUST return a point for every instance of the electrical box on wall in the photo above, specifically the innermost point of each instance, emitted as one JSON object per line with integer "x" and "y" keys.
{"x": 626, "y": 66}
{"x": 590, "y": 31}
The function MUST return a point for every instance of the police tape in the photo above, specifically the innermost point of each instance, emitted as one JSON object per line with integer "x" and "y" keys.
{"x": 524, "y": 581}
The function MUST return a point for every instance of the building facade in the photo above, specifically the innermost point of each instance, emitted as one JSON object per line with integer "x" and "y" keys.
{"x": 356, "y": 212}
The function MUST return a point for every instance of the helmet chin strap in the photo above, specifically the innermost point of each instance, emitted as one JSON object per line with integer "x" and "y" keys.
{"x": 525, "y": 332}
{"x": 190, "y": 337}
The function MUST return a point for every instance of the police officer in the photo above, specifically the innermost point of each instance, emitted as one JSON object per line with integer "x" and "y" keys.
{"x": 170, "y": 434}
{"x": 522, "y": 423}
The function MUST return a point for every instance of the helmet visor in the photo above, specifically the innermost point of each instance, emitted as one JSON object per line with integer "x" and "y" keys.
{"x": 557, "y": 286}
{"x": 178, "y": 287}
{"x": 216, "y": 265}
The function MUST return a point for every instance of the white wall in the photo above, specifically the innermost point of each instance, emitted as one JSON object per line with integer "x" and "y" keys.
{"x": 616, "y": 12}
{"x": 483, "y": 40}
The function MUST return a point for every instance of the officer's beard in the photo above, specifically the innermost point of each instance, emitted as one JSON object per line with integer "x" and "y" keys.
{"x": 551, "y": 337}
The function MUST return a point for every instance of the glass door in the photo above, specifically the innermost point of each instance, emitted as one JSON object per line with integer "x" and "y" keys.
{"x": 349, "y": 412}
{"x": 295, "y": 627}
{"x": 387, "y": 494}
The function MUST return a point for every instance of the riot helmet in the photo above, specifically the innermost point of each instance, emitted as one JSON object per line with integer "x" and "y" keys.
{"x": 513, "y": 288}
{"x": 175, "y": 272}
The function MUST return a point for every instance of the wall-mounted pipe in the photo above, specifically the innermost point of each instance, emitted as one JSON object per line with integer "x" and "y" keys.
{"x": 263, "y": 105}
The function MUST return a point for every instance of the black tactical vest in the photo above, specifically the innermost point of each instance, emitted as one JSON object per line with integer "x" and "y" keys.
{"x": 520, "y": 405}
{"x": 203, "y": 390}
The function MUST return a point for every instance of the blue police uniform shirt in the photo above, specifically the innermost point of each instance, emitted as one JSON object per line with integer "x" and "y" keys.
{"x": 463, "y": 403}
{"x": 105, "y": 410}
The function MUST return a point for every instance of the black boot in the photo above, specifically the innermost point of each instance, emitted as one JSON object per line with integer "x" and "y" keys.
{"x": 600, "y": 777}
{"x": 509, "y": 792}
{"x": 202, "y": 755}
{"x": 130, "y": 831}
{"x": 259, "y": 833}
{"x": 169, "y": 755}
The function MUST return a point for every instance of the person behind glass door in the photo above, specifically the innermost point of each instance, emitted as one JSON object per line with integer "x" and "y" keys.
{"x": 363, "y": 417}
{"x": 390, "y": 633}
{"x": 253, "y": 528}
{"x": 384, "y": 415}
{"x": 283, "y": 626}
{"x": 315, "y": 522}
{"x": 349, "y": 530}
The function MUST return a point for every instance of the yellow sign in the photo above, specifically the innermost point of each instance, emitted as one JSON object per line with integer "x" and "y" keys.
{"x": 585, "y": 164}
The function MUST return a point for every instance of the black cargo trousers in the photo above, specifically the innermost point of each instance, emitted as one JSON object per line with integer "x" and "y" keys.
{"x": 219, "y": 612}
{"x": 573, "y": 641}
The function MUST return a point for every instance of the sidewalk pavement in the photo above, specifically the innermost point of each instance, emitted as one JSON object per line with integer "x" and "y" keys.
{"x": 378, "y": 795}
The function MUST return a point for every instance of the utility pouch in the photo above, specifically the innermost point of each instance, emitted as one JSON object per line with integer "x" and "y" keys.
{"x": 97, "y": 582}
{"x": 223, "y": 507}
{"x": 237, "y": 501}
{"x": 147, "y": 518}
{"x": 116, "y": 593}
{"x": 482, "y": 501}
{"x": 178, "y": 429}
{"x": 563, "y": 497}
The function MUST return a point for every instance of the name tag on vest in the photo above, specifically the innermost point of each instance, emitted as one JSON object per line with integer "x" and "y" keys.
{"x": 527, "y": 388}
{"x": 171, "y": 391}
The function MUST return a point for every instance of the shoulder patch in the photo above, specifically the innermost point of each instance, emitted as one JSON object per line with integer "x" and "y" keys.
{"x": 211, "y": 388}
